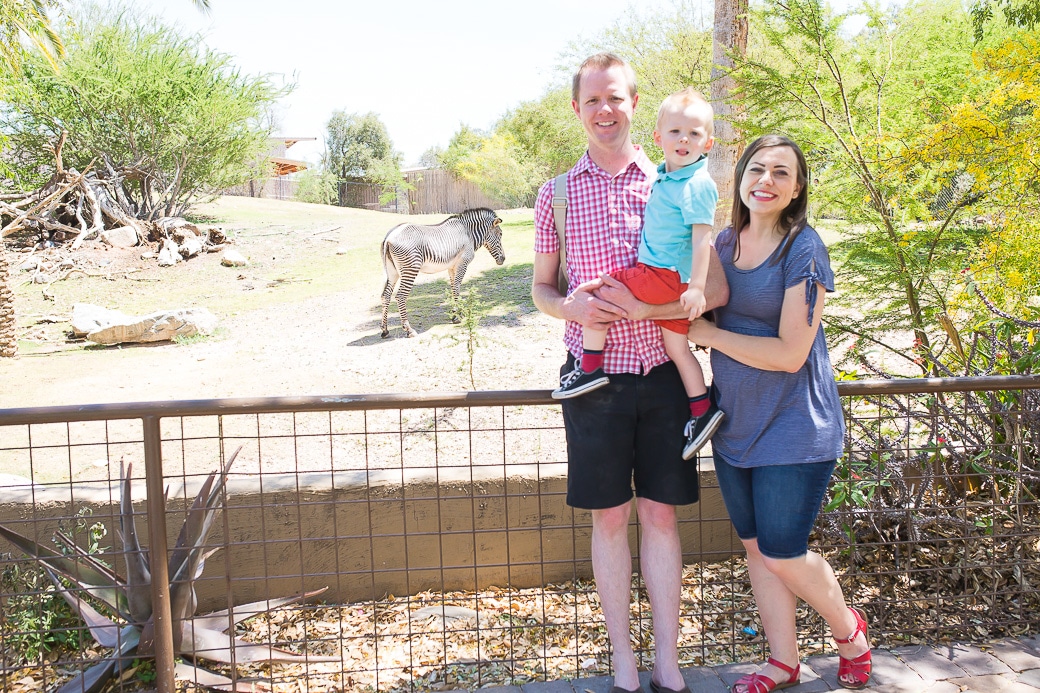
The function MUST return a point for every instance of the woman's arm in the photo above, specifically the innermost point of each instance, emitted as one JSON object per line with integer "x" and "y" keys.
{"x": 787, "y": 352}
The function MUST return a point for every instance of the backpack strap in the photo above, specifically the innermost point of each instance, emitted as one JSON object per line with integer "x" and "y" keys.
{"x": 559, "y": 208}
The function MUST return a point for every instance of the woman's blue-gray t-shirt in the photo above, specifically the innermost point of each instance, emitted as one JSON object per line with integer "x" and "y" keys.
{"x": 773, "y": 417}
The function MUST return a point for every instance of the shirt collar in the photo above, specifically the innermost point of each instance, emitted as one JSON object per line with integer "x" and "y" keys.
{"x": 642, "y": 162}
{"x": 684, "y": 172}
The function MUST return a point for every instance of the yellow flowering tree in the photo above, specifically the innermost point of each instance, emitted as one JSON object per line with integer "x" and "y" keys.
{"x": 993, "y": 141}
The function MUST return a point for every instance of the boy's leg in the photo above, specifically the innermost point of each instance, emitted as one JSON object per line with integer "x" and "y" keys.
{"x": 587, "y": 374}
{"x": 678, "y": 349}
{"x": 705, "y": 417}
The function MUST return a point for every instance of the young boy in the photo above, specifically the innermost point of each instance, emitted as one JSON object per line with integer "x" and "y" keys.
{"x": 673, "y": 258}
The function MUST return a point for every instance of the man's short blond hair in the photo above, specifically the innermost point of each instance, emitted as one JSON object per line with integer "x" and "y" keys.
{"x": 687, "y": 98}
{"x": 603, "y": 61}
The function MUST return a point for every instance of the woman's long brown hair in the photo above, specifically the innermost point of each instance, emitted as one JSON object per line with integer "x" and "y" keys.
{"x": 793, "y": 218}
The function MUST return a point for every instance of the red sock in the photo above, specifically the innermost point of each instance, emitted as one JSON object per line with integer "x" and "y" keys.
{"x": 591, "y": 360}
{"x": 699, "y": 405}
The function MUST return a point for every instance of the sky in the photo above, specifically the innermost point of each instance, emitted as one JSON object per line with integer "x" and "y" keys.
{"x": 423, "y": 66}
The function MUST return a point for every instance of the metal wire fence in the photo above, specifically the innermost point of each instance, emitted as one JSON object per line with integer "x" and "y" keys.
{"x": 428, "y": 545}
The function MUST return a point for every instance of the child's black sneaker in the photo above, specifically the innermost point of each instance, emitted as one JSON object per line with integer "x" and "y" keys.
{"x": 700, "y": 428}
{"x": 578, "y": 382}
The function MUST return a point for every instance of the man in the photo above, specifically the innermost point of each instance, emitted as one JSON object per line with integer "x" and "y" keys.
{"x": 627, "y": 431}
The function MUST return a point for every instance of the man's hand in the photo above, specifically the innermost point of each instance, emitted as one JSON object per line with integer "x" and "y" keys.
{"x": 692, "y": 300}
{"x": 585, "y": 305}
{"x": 618, "y": 295}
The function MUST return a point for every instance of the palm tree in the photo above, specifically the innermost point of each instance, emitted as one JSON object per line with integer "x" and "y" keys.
{"x": 27, "y": 18}
{"x": 8, "y": 342}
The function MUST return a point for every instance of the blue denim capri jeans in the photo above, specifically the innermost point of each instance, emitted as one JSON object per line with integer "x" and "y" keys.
{"x": 776, "y": 504}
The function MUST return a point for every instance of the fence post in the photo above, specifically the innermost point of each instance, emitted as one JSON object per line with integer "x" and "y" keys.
{"x": 158, "y": 560}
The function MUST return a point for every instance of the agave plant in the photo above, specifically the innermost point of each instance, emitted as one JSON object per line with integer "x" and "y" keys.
{"x": 129, "y": 632}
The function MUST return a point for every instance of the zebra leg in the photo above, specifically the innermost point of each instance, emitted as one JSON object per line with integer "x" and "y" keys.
{"x": 403, "y": 291}
{"x": 455, "y": 277}
{"x": 388, "y": 291}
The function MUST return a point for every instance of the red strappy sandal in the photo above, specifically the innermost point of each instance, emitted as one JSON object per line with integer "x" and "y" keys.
{"x": 759, "y": 683}
{"x": 855, "y": 673}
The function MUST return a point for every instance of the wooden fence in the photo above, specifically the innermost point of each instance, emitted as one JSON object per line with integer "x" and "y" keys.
{"x": 434, "y": 191}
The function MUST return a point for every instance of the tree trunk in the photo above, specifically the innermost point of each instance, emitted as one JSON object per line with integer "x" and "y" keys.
{"x": 729, "y": 37}
{"x": 8, "y": 341}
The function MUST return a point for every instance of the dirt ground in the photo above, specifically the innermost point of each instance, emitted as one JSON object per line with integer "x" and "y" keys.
{"x": 302, "y": 319}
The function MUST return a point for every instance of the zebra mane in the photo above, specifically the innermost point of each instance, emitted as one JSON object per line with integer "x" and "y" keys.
{"x": 471, "y": 212}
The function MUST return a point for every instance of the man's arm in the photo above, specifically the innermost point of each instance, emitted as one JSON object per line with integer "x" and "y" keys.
{"x": 716, "y": 293}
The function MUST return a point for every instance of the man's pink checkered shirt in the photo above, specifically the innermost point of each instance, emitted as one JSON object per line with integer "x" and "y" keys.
{"x": 604, "y": 222}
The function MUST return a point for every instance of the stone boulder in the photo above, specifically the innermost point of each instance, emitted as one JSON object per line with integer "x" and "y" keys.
{"x": 104, "y": 326}
{"x": 121, "y": 237}
{"x": 87, "y": 318}
{"x": 233, "y": 258}
{"x": 161, "y": 326}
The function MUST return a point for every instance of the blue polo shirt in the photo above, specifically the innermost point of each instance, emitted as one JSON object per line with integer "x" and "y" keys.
{"x": 678, "y": 200}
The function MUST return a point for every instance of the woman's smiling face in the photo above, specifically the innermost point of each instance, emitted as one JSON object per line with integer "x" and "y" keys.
{"x": 770, "y": 181}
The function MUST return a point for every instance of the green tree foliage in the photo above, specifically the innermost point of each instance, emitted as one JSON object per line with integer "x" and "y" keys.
{"x": 1021, "y": 13}
{"x": 316, "y": 185}
{"x": 503, "y": 171}
{"x": 152, "y": 109}
{"x": 463, "y": 143}
{"x": 358, "y": 148}
{"x": 859, "y": 106}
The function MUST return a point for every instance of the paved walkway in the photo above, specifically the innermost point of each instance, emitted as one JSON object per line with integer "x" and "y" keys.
{"x": 1004, "y": 666}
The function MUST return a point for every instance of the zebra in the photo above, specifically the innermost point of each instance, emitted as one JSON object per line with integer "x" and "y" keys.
{"x": 450, "y": 245}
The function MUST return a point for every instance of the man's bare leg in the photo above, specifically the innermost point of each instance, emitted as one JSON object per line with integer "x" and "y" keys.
{"x": 612, "y": 568}
{"x": 661, "y": 562}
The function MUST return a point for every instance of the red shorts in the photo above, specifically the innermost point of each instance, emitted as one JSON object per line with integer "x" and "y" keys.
{"x": 655, "y": 286}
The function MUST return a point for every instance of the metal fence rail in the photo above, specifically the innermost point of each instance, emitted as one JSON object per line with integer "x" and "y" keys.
{"x": 437, "y": 528}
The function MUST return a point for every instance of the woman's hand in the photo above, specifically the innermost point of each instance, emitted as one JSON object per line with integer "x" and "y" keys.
{"x": 701, "y": 332}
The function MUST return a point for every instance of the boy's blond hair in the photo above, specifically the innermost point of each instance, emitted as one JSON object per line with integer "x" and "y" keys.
{"x": 685, "y": 98}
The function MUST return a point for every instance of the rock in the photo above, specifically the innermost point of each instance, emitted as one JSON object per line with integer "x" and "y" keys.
{"x": 149, "y": 255}
{"x": 87, "y": 318}
{"x": 121, "y": 237}
{"x": 169, "y": 255}
{"x": 31, "y": 264}
{"x": 215, "y": 235}
{"x": 176, "y": 226}
{"x": 161, "y": 326}
{"x": 233, "y": 258}
{"x": 190, "y": 247}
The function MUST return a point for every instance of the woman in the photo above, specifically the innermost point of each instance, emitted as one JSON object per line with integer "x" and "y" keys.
{"x": 784, "y": 430}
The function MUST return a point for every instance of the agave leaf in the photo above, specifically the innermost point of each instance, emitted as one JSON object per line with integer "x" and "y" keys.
{"x": 218, "y": 647}
{"x": 186, "y": 557}
{"x": 83, "y": 555}
{"x": 83, "y": 572}
{"x": 96, "y": 677}
{"x": 104, "y": 630}
{"x": 201, "y": 677}
{"x": 218, "y": 620}
{"x": 138, "y": 576}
